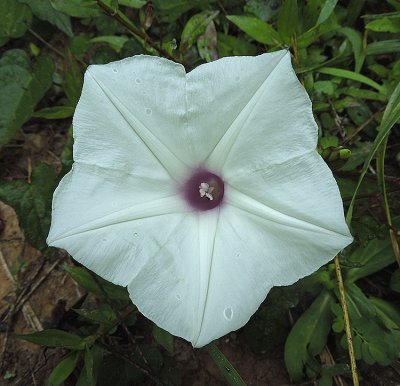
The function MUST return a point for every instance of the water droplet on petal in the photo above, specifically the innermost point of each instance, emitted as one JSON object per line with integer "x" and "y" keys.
{"x": 136, "y": 234}
{"x": 114, "y": 70}
{"x": 138, "y": 81}
{"x": 178, "y": 296}
{"x": 228, "y": 313}
{"x": 149, "y": 111}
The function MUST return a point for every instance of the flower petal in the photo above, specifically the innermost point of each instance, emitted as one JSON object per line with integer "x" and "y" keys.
{"x": 110, "y": 122}
{"x": 276, "y": 124}
{"x": 217, "y": 94}
{"x": 107, "y": 219}
{"x": 255, "y": 249}
{"x": 171, "y": 288}
{"x": 178, "y": 116}
{"x": 302, "y": 187}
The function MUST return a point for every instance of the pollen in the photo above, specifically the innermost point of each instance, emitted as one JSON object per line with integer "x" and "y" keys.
{"x": 205, "y": 190}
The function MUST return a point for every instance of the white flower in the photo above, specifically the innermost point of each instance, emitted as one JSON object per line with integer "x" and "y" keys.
{"x": 199, "y": 191}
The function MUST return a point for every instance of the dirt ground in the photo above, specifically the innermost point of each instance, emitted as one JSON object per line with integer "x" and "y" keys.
{"x": 35, "y": 294}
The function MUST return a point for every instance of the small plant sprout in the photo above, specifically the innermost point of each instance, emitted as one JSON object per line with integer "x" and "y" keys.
{"x": 199, "y": 191}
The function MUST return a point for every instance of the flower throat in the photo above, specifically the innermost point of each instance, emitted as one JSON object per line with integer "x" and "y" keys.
{"x": 204, "y": 190}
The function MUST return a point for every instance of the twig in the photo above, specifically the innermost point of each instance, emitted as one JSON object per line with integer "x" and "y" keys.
{"x": 362, "y": 126}
{"x": 327, "y": 358}
{"x": 27, "y": 311}
{"x": 22, "y": 300}
{"x": 118, "y": 16}
{"x": 38, "y": 37}
{"x": 346, "y": 322}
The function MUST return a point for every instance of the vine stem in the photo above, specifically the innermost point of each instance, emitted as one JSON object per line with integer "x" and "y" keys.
{"x": 123, "y": 20}
{"x": 343, "y": 303}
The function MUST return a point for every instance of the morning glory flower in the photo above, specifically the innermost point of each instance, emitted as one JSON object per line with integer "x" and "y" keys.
{"x": 199, "y": 191}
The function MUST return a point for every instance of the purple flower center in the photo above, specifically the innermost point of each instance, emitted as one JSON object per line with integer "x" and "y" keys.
{"x": 203, "y": 190}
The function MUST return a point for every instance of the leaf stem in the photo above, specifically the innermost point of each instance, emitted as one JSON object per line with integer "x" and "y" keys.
{"x": 346, "y": 322}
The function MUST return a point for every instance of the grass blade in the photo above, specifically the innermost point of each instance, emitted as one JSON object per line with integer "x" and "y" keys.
{"x": 229, "y": 372}
{"x": 390, "y": 117}
{"x": 351, "y": 75}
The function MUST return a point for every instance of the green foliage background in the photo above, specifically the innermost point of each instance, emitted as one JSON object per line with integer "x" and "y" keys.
{"x": 346, "y": 54}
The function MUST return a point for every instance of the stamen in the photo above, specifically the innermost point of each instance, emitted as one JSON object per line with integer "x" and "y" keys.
{"x": 205, "y": 190}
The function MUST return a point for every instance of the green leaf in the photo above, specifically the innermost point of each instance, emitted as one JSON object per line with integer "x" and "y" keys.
{"x": 228, "y": 371}
{"x": 383, "y": 47}
{"x": 32, "y": 203}
{"x": 195, "y": 27}
{"x": 76, "y": 8}
{"x": 309, "y": 335}
{"x": 95, "y": 362}
{"x": 88, "y": 357}
{"x": 370, "y": 258}
{"x": 14, "y": 19}
{"x": 377, "y": 343}
{"x": 64, "y": 369}
{"x": 389, "y": 313}
{"x": 104, "y": 315}
{"x": 21, "y": 88}
{"x": 357, "y": 45}
{"x": 133, "y": 3}
{"x": 313, "y": 34}
{"x": 287, "y": 20}
{"x": 170, "y": 10}
{"x": 55, "y": 338}
{"x": 73, "y": 79}
{"x": 358, "y": 303}
{"x": 234, "y": 46}
{"x": 66, "y": 156}
{"x": 83, "y": 277}
{"x": 263, "y": 9}
{"x": 339, "y": 72}
{"x": 354, "y": 10}
{"x": 385, "y": 24}
{"x": 115, "y": 42}
{"x": 326, "y": 10}
{"x": 362, "y": 94}
{"x": 56, "y": 112}
{"x": 259, "y": 30}
{"x": 164, "y": 338}
{"x": 43, "y": 10}
{"x": 390, "y": 117}
{"x": 79, "y": 45}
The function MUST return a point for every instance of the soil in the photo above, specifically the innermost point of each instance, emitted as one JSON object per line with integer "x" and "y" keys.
{"x": 27, "y": 364}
